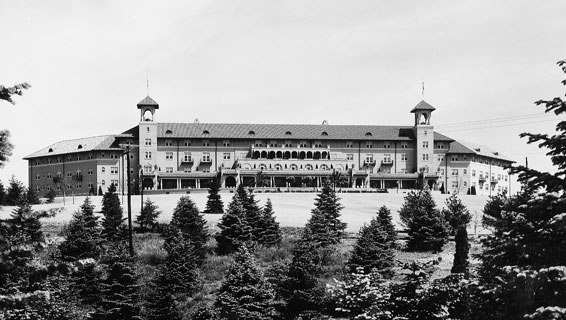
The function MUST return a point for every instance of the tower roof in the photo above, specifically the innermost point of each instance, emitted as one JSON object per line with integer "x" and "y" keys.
{"x": 423, "y": 105}
{"x": 148, "y": 101}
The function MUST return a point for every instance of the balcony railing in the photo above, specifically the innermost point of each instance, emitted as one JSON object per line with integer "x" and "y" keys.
{"x": 189, "y": 160}
{"x": 205, "y": 160}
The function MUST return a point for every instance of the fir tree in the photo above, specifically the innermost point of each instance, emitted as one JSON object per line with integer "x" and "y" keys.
{"x": 31, "y": 196}
{"x": 147, "y": 219}
{"x": 3, "y": 194}
{"x": 51, "y": 194}
{"x": 16, "y": 191}
{"x": 214, "y": 203}
{"x": 302, "y": 289}
{"x": 234, "y": 230}
{"x": 270, "y": 234}
{"x": 83, "y": 235}
{"x": 244, "y": 294}
{"x": 325, "y": 225}
{"x": 87, "y": 281}
{"x": 100, "y": 193}
{"x": 252, "y": 211}
{"x": 25, "y": 220}
{"x": 373, "y": 249}
{"x": 427, "y": 229}
{"x": 119, "y": 293}
{"x": 458, "y": 217}
{"x": 386, "y": 222}
{"x": 112, "y": 211}
{"x": 161, "y": 304}
{"x": 187, "y": 219}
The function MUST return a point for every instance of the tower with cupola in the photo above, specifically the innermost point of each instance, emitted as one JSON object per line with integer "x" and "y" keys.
{"x": 424, "y": 133}
{"x": 148, "y": 141}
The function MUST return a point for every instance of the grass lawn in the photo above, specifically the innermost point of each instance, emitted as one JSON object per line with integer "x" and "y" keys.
{"x": 291, "y": 209}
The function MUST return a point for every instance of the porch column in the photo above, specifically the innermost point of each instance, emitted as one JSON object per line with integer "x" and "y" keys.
{"x": 178, "y": 183}
{"x": 198, "y": 183}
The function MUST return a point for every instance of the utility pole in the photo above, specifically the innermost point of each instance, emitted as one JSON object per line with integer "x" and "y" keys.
{"x": 127, "y": 148}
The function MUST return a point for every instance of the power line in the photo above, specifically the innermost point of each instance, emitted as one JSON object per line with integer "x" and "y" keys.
{"x": 497, "y": 126}
{"x": 495, "y": 120}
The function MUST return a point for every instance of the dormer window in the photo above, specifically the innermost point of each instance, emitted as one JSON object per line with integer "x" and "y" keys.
{"x": 288, "y": 133}
{"x": 205, "y": 132}
{"x": 168, "y": 132}
{"x": 251, "y": 133}
{"x": 368, "y": 134}
{"x": 324, "y": 133}
{"x": 80, "y": 146}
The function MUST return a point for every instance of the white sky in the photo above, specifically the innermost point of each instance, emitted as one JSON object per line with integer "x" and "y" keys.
{"x": 260, "y": 61}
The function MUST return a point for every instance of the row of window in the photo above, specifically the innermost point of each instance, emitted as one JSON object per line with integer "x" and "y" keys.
{"x": 48, "y": 175}
{"x": 73, "y": 157}
{"x": 70, "y": 186}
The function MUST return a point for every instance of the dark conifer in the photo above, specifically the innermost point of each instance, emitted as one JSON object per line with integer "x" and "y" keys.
{"x": 31, "y": 196}
{"x": 119, "y": 293}
{"x": 234, "y": 230}
{"x": 373, "y": 250}
{"x": 458, "y": 217}
{"x": 427, "y": 226}
{"x": 252, "y": 211}
{"x": 147, "y": 219}
{"x": 187, "y": 219}
{"x": 244, "y": 293}
{"x": 270, "y": 234}
{"x": 214, "y": 203}
{"x": 325, "y": 225}
{"x": 386, "y": 222}
{"x": 3, "y": 194}
{"x": 25, "y": 220}
{"x": 161, "y": 304}
{"x": 112, "y": 211}
{"x": 51, "y": 194}
{"x": 83, "y": 235}
{"x": 15, "y": 192}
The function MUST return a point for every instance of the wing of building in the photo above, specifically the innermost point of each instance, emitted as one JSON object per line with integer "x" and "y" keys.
{"x": 176, "y": 156}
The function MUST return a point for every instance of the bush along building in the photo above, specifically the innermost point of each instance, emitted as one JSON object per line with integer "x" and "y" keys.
{"x": 177, "y": 156}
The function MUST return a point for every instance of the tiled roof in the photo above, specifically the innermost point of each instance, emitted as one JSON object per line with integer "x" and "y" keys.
{"x": 70, "y": 146}
{"x": 423, "y": 105}
{"x": 288, "y": 131}
{"x": 148, "y": 101}
{"x": 472, "y": 148}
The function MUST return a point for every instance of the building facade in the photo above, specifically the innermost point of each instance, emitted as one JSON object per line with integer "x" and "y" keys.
{"x": 175, "y": 156}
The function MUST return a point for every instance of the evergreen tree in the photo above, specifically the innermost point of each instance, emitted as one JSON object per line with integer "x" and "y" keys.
{"x": 112, "y": 211}
{"x": 119, "y": 294}
{"x": 100, "y": 193}
{"x": 234, "y": 230}
{"x": 214, "y": 203}
{"x": 25, "y": 220}
{"x": 302, "y": 289}
{"x": 325, "y": 225}
{"x": 458, "y": 217}
{"x": 51, "y": 194}
{"x": 386, "y": 221}
{"x": 252, "y": 211}
{"x": 83, "y": 235}
{"x": 31, "y": 196}
{"x": 373, "y": 249}
{"x": 270, "y": 234}
{"x": 147, "y": 219}
{"x": 3, "y": 194}
{"x": 187, "y": 219}
{"x": 16, "y": 191}
{"x": 523, "y": 264}
{"x": 427, "y": 229}
{"x": 161, "y": 303}
{"x": 244, "y": 293}
{"x": 87, "y": 281}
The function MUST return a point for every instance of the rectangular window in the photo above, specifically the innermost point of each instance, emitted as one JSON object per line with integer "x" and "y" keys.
{"x": 78, "y": 186}
{"x": 168, "y": 155}
{"x": 226, "y": 143}
{"x": 48, "y": 187}
{"x": 273, "y": 143}
{"x": 168, "y": 143}
{"x": 37, "y": 176}
{"x": 58, "y": 187}
{"x": 369, "y": 144}
{"x": 387, "y": 145}
{"x": 206, "y": 170}
{"x": 114, "y": 170}
{"x": 169, "y": 169}
{"x": 318, "y": 144}
{"x": 454, "y": 172}
{"x": 49, "y": 176}
{"x": 187, "y": 143}
{"x": 349, "y": 156}
{"x": 404, "y": 145}
{"x": 148, "y": 142}
{"x": 148, "y": 154}
{"x": 349, "y": 144}
{"x": 440, "y": 145}
{"x": 441, "y": 172}
{"x": 206, "y": 157}
{"x": 187, "y": 169}
{"x": 187, "y": 157}
{"x": 90, "y": 185}
{"x": 226, "y": 155}
{"x": 69, "y": 158}
{"x": 403, "y": 157}
{"x": 454, "y": 184}
{"x": 465, "y": 171}
{"x": 114, "y": 182}
{"x": 369, "y": 158}
{"x": 90, "y": 171}
{"x": 454, "y": 158}
{"x": 473, "y": 173}
{"x": 387, "y": 158}
{"x": 425, "y": 156}
{"x": 303, "y": 144}
{"x": 69, "y": 187}
{"x": 288, "y": 143}
{"x": 425, "y": 144}
{"x": 205, "y": 143}
{"x": 259, "y": 143}
{"x": 69, "y": 174}
{"x": 440, "y": 158}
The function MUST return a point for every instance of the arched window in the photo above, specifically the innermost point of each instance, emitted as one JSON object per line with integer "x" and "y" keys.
{"x": 205, "y": 132}
{"x": 323, "y": 167}
{"x": 368, "y": 134}
{"x": 262, "y": 166}
{"x": 251, "y": 132}
{"x": 288, "y": 133}
{"x": 324, "y": 133}
{"x": 50, "y": 150}
{"x": 80, "y": 146}
{"x": 277, "y": 166}
{"x": 168, "y": 132}
{"x": 308, "y": 167}
{"x": 294, "y": 167}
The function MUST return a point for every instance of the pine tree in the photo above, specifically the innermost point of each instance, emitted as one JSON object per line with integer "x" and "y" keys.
{"x": 302, "y": 289}
{"x": 458, "y": 216}
{"x": 187, "y": 219}
{"x": 325, "y": 225}
{"x": 119, "y": 293}
{"x": 427, "y": 229}
{"x": 245, "y": 294}
{"x": 373, "y": 249}
{"x": 523, "y": 263}
{"x": 16, "y": 191}
{"x": 51, "y": 194}
{"x": 161, "y": 304}
{"x": 83, "y": 235}
{"x": 386, "y": 222}
{"x": 112, "y": 211}
{"x": 252, "y": 211}
{"x": 31, "y": 196}
{"x": 147, "y": 219}
{"x": 234, "y": 230}
{"x": 270, "y": 234}
{"x": 25, "y": 220}
{"x": 214, "y": 203}
{"x": 3, "y": 194}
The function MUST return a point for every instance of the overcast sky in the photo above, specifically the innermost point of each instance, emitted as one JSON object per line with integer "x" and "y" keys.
{"x": 260, "y": 61}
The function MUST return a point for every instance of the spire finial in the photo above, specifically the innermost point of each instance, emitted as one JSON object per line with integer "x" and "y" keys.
{"x": 422, "y": 94}
{"x": 147, "y": 82}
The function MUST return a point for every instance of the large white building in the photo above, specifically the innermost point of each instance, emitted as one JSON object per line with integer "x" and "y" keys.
{"x": 174, "y": 156}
